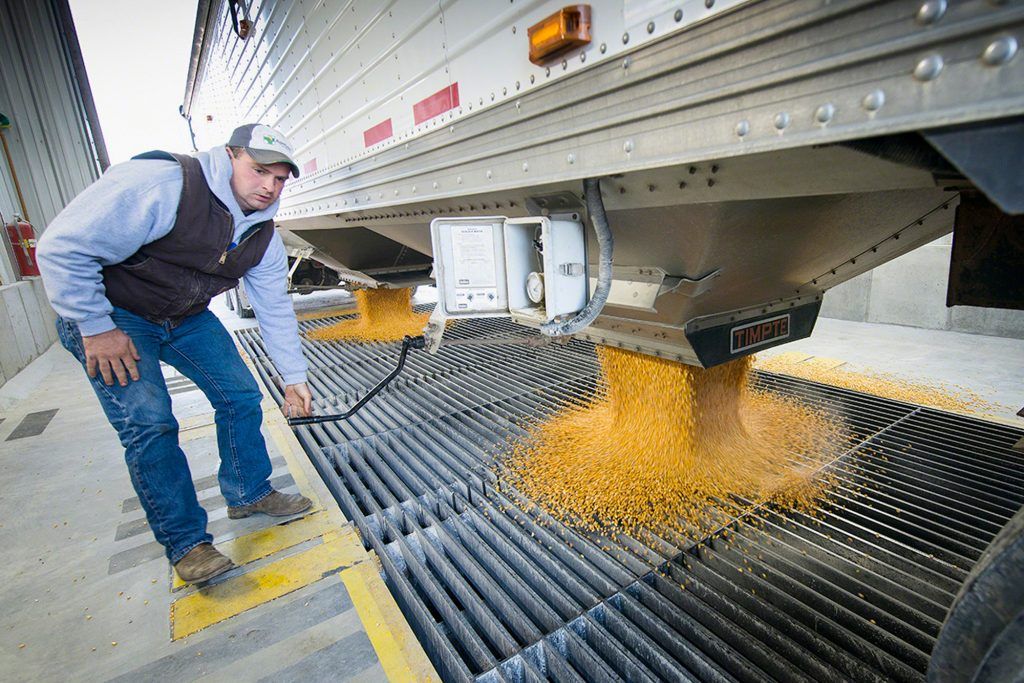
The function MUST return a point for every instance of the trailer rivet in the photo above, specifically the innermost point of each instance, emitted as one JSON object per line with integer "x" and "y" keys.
{"x": 518, "y": 85}
{"x": 547, "y": 71}
{"x": 532, "y": 78}
{"x": 678, "y": 16}
{"x": 627, "y": 146}
{"x": 929, "y": 68}
{"x": 526, "y": 167}
{"x": 459, "y": 180}
{"x": 489, "y": 175}
{"x": 435, "y": 184}
{"x": 1000, "y": 51}
{"x": 650, "y": 27}
{"x": 504, "y": 91}
{"x": 625, "y": 38}
{"x": 396, "y": 193}
{"x": 604, "y": 48}
{"x": 825, "y": 113}
{"x": 781, "y": 120}
{"x": 931, "y": 11}
{"x": 571, "y": 158}
{"x": 874, "y": 100}
{"x": 743, "y": 128}
{"x": 709, "y": 3}
{"x": 583, "y": 56}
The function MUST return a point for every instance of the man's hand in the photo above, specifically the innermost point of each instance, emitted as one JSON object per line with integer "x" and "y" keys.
{"x": 111, "y": 354}
{"x": 298, "y": 402}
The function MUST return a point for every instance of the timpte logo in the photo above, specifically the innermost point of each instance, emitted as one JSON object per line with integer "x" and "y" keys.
{"x": 759, "y": 333}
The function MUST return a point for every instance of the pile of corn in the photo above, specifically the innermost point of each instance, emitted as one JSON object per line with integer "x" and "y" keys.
{"x": 667, "y": 446}
{"x": 885, "y": 385}
{"x": 384, "y": 315}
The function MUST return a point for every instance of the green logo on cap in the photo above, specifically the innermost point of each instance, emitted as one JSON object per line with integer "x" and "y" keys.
{"x": 270, "y": 139}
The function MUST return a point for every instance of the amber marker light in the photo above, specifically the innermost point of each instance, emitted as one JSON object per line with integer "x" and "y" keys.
{"x": 564, "y": 30}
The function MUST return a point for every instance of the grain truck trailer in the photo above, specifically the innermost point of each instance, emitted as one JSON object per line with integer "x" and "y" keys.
{"x": 747, "y": 156}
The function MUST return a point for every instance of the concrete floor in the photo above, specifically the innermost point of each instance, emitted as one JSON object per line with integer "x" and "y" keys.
{"x": 993, "y": 367}
{"x": 86, "y": 596}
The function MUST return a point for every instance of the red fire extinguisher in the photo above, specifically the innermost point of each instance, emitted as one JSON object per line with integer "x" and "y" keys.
{"x": 23, "y": 240}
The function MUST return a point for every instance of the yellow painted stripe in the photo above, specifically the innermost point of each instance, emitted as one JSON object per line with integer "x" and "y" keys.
{"x": 397, "y": 649}
{"x": 196, "y": 611}
{"x": 273, "y": 539}
{"x": 194, "y": 433}
{"x": 284, "y": 444}
{"x": 195, "y": 422}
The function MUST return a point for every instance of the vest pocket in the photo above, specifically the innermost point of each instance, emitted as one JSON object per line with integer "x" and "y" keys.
{"x": 135, "y": 261}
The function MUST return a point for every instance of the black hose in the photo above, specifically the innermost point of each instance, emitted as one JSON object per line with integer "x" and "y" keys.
{"x": 595, "y": 207}
{"x": 407, "y": 343}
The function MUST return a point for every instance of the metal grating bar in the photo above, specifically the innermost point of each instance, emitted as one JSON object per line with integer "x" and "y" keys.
{"x": 495, "y": 593}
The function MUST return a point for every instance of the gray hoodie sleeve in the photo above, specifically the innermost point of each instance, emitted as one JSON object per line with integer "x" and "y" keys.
{"x": 132, "y": 204}
{"x": 266, "y": 286}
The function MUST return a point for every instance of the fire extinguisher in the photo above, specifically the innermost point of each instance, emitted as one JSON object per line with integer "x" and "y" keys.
{"x": 23, "y": 240}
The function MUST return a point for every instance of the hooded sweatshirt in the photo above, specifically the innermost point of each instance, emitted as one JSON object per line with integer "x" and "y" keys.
{"x": 135, "y": 203}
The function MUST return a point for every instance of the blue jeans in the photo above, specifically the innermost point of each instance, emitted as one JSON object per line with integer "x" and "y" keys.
{"x": 201, "y": 349}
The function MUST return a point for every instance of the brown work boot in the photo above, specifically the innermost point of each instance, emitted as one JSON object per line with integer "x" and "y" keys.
{"x": 276, "y": 504}
{"x": 202, "y": 563}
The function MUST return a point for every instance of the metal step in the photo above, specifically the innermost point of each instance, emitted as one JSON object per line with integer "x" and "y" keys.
{"x": 499, "y": 592}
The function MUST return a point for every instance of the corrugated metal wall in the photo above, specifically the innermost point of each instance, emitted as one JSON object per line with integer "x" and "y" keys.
{"x": 55, "y": 149}
{"x": 50, "y": 138}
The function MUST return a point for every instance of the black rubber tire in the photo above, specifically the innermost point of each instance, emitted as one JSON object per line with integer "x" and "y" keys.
{"x": 982, "y": 638}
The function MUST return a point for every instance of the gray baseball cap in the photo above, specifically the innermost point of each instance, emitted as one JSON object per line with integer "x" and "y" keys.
{"x": 264, "y": 144}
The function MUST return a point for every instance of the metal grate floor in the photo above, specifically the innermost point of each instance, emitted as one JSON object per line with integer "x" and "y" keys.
{"x": 858, "y": 591}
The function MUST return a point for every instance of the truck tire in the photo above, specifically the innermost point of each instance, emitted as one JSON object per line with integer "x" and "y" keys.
{"x": 982, "y": 638}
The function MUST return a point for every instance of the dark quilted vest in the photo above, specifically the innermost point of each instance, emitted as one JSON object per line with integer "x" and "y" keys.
{"x": 177, "y": 275}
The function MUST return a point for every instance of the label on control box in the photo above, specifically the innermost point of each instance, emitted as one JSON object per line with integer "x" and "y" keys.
{"x": 473, "y": 258}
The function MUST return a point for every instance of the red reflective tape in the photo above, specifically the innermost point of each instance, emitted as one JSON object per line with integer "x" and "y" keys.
{"x": 309, "y": 166}
{"x": 382, "y": 131}
{"x": 438, "y": 103}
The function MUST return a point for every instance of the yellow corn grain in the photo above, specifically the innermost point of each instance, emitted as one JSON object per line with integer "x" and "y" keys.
{"x": 664, "y": 446}
{"x": 886, "y": 385}
{"x": 384, "y": 315}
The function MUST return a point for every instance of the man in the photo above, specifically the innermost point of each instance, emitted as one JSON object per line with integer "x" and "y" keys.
{"x": 130, "y": 266}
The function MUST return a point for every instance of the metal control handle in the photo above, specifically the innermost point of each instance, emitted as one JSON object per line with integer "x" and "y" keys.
{"x": 407, "y": 343}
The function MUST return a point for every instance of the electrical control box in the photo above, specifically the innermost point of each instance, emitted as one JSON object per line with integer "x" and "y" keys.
{"x": 533, "y": 269}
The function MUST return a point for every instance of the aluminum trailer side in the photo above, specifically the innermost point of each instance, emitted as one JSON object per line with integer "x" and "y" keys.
{"x": 754, "y": 154}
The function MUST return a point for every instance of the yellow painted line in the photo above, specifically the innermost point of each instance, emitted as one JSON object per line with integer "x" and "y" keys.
{"x": 195, "y": 422}
{"x": 298, "y": 472}
{"x": 397, "y": 649}
{"x": 213, "y": 604}
{"x": 193, "y": 433}
{"x": 265, "y": 542}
